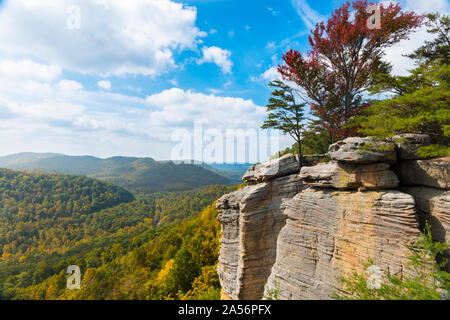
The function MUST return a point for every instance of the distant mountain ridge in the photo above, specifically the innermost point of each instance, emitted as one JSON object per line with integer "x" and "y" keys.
{"x": 136, "y": 174}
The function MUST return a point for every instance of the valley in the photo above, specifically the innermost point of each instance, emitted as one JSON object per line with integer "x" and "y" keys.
{"x": 51, "y": 221}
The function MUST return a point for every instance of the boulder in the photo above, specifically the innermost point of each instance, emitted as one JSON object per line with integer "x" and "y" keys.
{"x": 347, "y": 176}
{"x": 251, "y": 219}
{"x": 279, "y": 167}
{"x": 408, "y": 143}
{"x": 363, "y": 151}
{"x": 432, "y": 173}
{"x": 329, "y": 234}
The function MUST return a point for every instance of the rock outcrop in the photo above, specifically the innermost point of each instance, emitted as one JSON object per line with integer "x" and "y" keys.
{"x": 280, "y": 167}
{"x": 433, "y": 208}
{"x": 297, "y": 233}
{"x": 328, "y": 234}
{"x": 363, "y": 150}
{"x": 431, "y": 173}
{"x": 346, "y": 176}
{"x": 251, "y": 220}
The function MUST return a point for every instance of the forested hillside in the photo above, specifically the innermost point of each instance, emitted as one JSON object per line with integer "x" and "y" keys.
{"x": 43, "y": 212}
{"x": 176, "y": 261}
{"x": 143, "y": 175}
{"x": 48, "y": 222}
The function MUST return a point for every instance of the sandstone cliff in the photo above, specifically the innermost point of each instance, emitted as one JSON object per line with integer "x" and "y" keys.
{"x": 297, "y": 233}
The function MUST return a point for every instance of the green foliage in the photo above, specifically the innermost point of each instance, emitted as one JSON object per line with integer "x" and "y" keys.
{"x": 121, "y": 249}
{"x": 426, "y": 279}
{"x": 44, "y": 210}
{"x": 437, "y": 50}
{"x": 285, "y": 114}
{"x": 273, "y": 294}
{"x": 426, "y": 110}
{"x": 421, "y": 101}
{"x": 206, "y": 286}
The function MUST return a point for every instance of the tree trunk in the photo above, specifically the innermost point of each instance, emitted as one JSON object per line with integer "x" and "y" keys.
{"x": 300, "y": 155}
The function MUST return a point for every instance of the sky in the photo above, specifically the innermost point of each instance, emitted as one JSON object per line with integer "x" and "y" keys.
{"x": 132, "y": 78}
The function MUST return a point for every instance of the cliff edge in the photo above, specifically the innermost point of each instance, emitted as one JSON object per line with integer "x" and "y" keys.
{"x": 297, "y": 233}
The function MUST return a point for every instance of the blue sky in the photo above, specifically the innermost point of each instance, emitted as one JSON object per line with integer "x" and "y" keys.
{"x": 109, "y": 77}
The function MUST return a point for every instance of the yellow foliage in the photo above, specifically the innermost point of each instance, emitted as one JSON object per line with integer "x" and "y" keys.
{"x": 165, "y": 272}
{"x": 89, "y": 274}
{"x": 51, "y": 291}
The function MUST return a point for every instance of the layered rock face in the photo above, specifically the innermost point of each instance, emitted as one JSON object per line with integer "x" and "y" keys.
{"x": 428, "y": 181}
{"x": 298, "y": 233}
{"x": 251, "y": 220}
{"x": 431, "y": 173}
{"x": 330, "y": 233}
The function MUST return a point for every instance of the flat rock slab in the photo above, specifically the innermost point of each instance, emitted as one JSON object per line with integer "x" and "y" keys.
{"x": 272, "y": 169}
{"x": 347, "y": 176}
{"x": 431, "y": 173}
{"x": 363, "y": 151}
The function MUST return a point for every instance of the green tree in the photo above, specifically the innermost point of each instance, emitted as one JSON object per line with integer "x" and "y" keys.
{"x": 421, "y": 101}
{"x": 286, "y": 114}
{"x": 438, "y": 49}
{"x": 184, "y": 270}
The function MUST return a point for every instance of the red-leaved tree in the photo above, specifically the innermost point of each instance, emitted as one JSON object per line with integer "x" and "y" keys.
{"x": 344, "y": 54}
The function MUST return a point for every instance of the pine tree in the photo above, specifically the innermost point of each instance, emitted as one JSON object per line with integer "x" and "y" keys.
{"x": 286, "y": 114}
{"x": 421, "y": 102}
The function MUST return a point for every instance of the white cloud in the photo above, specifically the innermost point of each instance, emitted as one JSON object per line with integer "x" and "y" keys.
{"x": 69, "y": 85}
{"x": 109, "y": 37}
{"x": 37, "y": 104}
{"x": 178, "y": 108}
{"x": 442, "y": 6}
{"x": 308, "y": 15}
{"x": 218, "y": 56}
{"x": 54, "y": 114}
{"x": 104, "y": 84}
{"x": 269, "y": 75}
{"x": 30, "y": 70}
{"x": 271, "y": 45}
{"x": 394, "y": 54}
{"x": 49, "y": 109}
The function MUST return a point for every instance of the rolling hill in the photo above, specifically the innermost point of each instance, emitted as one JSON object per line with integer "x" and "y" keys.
{"x": 143, "y": 175}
